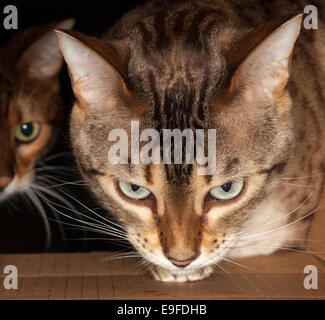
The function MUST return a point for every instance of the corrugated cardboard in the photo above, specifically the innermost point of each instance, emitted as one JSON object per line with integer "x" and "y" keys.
{"x": 88, "y": 276}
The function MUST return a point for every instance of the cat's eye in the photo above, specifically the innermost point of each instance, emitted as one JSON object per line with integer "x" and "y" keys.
{"x": 134, "y": 191}
{"x": 27, "y": 132}
{"x": 228, "y": 190}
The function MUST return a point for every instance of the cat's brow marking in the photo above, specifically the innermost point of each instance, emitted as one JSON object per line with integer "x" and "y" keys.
{"x": 208, "y": 178}
{"x": 96, "y": 172}
{"x": 91, "y": 171}
{"x": 231, "y": 163}
{"x": 148, "y": 174}
{"x": 278, "y": 166}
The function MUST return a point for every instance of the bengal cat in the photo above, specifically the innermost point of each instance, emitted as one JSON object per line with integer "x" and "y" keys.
{"x": 31, "y": 110}
{"x": 249, "y": 70}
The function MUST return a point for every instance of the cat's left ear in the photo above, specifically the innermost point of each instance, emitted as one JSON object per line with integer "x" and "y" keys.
{"x": 265, "y": 70}
{"x": 43, "y": 59}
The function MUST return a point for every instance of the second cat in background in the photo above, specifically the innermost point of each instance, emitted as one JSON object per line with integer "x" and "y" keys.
{"x": 31, "y": 112}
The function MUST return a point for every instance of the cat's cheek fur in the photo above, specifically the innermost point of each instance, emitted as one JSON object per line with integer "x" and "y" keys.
{"x": 264, "y": 232}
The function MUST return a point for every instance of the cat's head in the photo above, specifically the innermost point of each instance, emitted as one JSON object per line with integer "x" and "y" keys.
{"x": 30, "y": 104}
{"x": 235, "y": 84}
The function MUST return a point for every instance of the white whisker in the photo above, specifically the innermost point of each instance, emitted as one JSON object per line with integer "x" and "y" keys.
{"x": 32, "y": 196}
{"x": 302, "y": 177}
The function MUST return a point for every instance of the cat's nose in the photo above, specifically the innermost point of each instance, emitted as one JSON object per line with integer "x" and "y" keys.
{"x": 4, "y": 181}
{"x": 182, "y": 263}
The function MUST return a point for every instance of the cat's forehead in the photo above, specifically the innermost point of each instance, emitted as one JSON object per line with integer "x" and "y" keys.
{"x": 23, "y": 100}
{"x": 178, "y": 95}
{"x": 178, "y": 77}
{"x": 178, "y": 73}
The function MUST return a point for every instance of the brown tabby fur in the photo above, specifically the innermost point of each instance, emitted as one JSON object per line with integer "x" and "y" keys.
{"x": 181, "y": 64}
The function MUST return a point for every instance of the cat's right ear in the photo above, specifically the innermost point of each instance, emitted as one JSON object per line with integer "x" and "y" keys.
{"x": 266, "y": 55}
{"x": 94, "y": 66}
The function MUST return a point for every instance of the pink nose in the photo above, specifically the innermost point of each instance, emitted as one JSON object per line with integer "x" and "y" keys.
{"x": 183, "y": 263}
{"x": 4, "y": 181}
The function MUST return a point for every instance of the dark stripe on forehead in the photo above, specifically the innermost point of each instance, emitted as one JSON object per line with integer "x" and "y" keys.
{"x": 179, "y": 22}
{"x": 146, "y": 35}
{"x": 157, "y": 111}
{"x": 148, "y": 174}
{"x": 163, "y": 40}
{"x": 179, "y": 105}
{"x": 178, "y": 174}
{"x": 193, "y": 33}
{"x": 201, "y": 112}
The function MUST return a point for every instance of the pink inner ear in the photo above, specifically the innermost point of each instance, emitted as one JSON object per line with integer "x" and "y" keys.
{"x": 266, "y": 69}
{"x": 95, "y": 79}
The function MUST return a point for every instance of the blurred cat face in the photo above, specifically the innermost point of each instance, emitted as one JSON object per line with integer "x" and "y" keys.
{"x": 175, "y": 218}
{"x": 30, "y": 105}
{"x": 29, "y": 126}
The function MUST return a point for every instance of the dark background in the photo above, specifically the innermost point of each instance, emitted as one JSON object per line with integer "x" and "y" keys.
{"x": 21, "y": 228}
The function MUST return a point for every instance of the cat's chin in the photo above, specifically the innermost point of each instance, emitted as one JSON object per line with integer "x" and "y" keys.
{"x": 166, "y": 275}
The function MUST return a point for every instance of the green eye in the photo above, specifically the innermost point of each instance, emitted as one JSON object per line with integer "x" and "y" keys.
{"x": 228, "y": 190}
{"x": 134, "y": 191}
{"x": 27, "y": 132}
